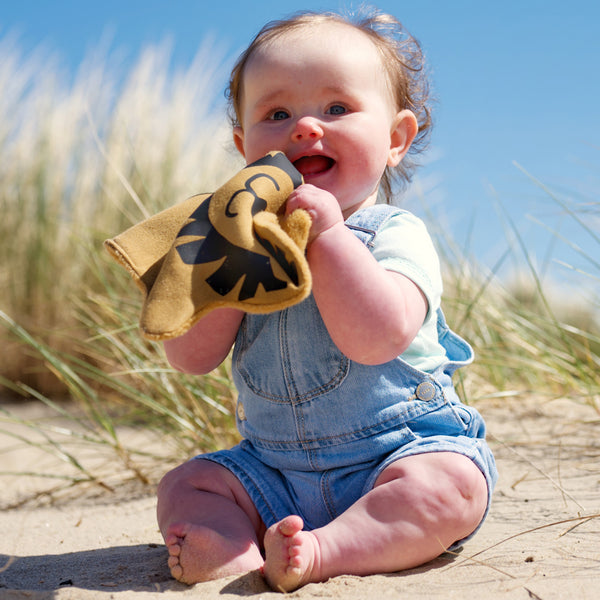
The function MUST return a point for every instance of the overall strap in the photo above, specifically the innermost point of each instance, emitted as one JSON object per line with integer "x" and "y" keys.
{"x": 365, "y": 223}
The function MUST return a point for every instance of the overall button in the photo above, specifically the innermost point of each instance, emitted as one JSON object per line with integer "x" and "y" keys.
{"x": 241, "y": 413}
{"x": 425, "y": 391}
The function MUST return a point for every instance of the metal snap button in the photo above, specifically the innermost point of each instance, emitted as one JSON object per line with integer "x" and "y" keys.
{"x": 241, "y": 413}
{"x": 425, "y": 391}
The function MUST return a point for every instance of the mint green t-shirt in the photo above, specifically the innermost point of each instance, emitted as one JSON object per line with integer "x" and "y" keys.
{"x": 404, "y": 246}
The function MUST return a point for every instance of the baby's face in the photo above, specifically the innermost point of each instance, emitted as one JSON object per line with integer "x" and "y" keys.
{"x": 320, "y": 95}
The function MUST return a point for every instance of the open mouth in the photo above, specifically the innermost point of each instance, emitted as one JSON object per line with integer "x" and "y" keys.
{"x": 313, "y": 165}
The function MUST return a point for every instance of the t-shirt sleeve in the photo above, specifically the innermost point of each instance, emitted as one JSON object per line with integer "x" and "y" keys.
{"x": 403, "y": 245}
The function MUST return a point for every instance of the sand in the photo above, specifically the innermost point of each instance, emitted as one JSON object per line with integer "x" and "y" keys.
{"x": 541, "y": 539}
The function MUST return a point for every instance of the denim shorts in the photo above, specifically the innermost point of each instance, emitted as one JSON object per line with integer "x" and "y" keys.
{"x": 320, "y": 496}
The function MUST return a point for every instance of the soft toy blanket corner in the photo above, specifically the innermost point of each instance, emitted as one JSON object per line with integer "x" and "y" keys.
{"x": 233, "y": 248}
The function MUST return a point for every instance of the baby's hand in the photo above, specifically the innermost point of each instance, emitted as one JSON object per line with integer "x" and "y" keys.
{"x": 321, "y": 205}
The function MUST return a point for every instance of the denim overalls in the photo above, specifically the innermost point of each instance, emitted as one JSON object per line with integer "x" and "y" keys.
{"x": 319, "y": 428}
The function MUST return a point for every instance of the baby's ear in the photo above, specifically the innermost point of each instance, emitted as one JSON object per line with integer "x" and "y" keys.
{"x": 238, "y": 139}
{"x": 404, "y": 129}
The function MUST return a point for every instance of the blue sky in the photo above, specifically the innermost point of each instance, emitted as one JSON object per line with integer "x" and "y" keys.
{"x": 516, "y": 81}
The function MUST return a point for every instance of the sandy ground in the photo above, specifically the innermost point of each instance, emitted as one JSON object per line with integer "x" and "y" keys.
{"x": 541, "y": 540}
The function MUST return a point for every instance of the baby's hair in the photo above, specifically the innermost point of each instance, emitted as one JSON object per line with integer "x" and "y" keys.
{"x": 402, "y": 60}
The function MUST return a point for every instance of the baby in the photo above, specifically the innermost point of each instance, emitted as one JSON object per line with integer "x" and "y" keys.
{"x": 357, "y": 455}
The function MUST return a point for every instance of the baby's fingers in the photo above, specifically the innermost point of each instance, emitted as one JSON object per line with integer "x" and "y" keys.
{"x": 322, "y": 207}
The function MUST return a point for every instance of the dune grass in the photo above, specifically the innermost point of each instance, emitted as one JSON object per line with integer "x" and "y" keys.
{"x": 81, "y": 160}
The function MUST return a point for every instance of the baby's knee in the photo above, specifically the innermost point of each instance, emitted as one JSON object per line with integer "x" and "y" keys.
{"x": 469, "y": 497}
{"x": 461, "y": 494}
{"x": 448, "y": 488}
{"x": 190, "y": 474}
{"x": 198, "y": 476}
{"x": 169, "y": 481}
{"x": 468, "y": 480}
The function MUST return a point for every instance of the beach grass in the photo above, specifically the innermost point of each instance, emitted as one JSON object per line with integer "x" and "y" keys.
{"x": 83, "y": 158}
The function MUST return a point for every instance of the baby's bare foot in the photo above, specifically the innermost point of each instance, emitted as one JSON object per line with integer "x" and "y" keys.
{"x": 292, "y": 555}
{"x": 198, "y": 553}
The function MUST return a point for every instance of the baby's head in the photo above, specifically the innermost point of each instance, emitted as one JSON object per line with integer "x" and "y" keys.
{"x": 401, "y": 61}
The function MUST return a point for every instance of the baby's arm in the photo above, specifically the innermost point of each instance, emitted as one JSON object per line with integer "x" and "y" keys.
{"x": 206, "y": 345}
{"x": 371, "y": 314}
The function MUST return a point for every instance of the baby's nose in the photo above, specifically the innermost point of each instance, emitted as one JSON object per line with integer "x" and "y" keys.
{"x": 307, "y": 128}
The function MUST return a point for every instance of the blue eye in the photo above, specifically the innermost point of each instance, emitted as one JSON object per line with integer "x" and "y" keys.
{"x": 336, "y": 109}
{"x": 279, "y": 115}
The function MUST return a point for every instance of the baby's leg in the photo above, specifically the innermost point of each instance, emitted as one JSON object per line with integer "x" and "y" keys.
{"x": 209, "y": 523}
{"x": 420, "y": 506}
